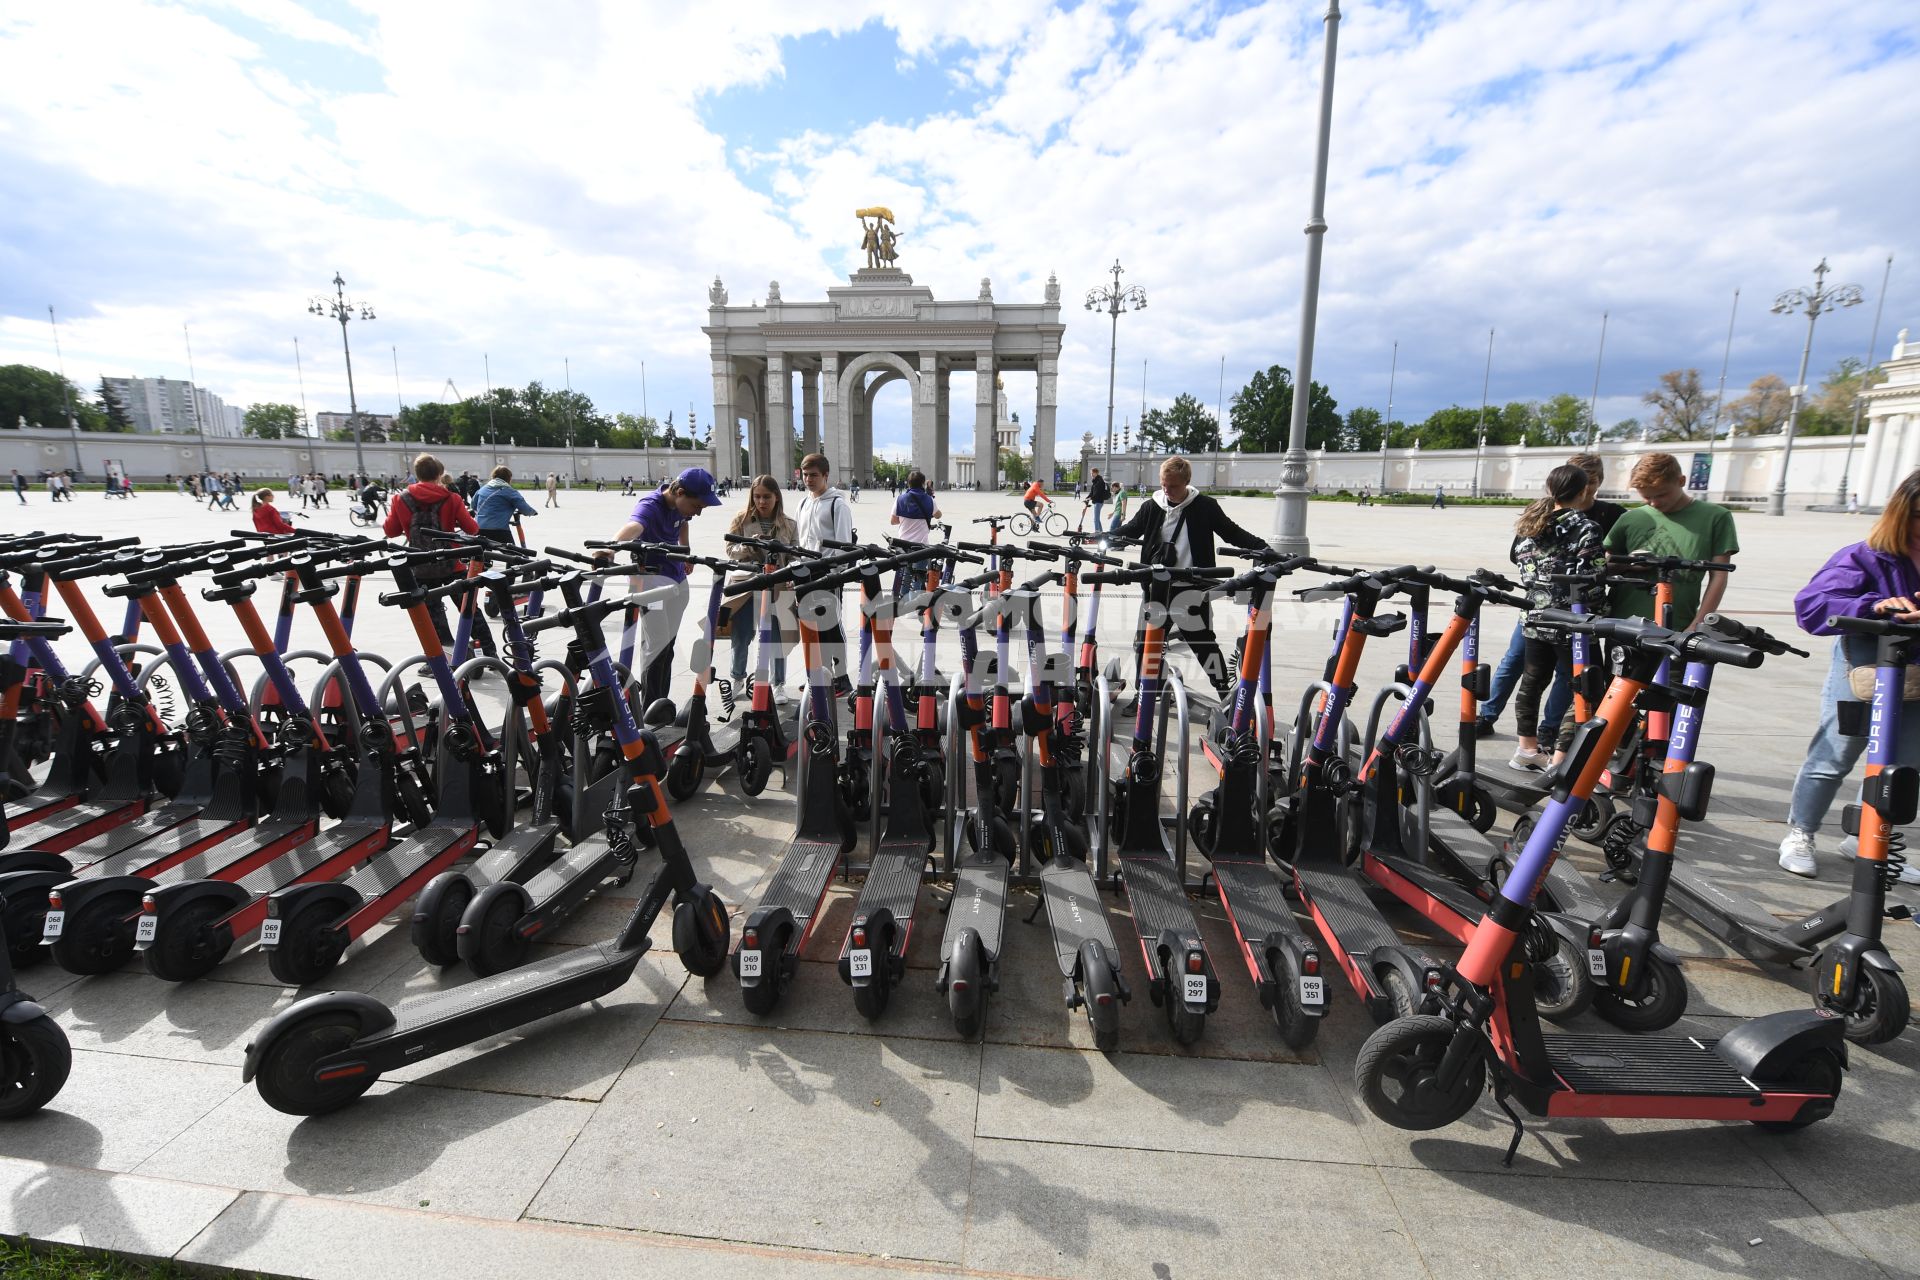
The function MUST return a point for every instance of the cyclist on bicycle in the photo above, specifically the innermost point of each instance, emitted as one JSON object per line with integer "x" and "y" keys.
{"x": 1036, "y": 499}
{"x": 373, "y": 501}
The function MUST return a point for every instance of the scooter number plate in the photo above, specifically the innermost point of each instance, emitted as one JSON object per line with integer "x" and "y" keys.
{"x": 749, "y": 964}
{"x": 1195, "y": 988}
{"x": 860, "y": 963}
{"x": 270, "y": 933}
{"x": 1313, "y": 991}
{"x": 1596, "y": 962}
{"x": 56, "y": 921}
{"x": 144, "y": 931}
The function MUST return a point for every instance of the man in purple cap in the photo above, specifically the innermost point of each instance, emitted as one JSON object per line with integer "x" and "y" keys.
{"x": 662, "y": 516}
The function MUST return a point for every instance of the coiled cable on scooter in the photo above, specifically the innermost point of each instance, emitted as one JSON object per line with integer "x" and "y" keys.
{"x": 1617, "y": 846}
{"x": 1539, "y": 940}
{"x": 1241, "y": 748}
{"x": 724, "y": 687}
{"x": 1896, "y": 863}
{"x": 75, "y": 692}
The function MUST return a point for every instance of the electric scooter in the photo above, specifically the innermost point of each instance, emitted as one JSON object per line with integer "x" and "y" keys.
{"x": 321, "y": 1053}
{"x": 1228, "y": 824}
{"x": 1780, "y": 1072}
{"x": 778, "y": 925}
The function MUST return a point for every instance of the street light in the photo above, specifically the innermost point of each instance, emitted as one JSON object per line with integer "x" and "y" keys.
{"x": 1113, "y": 301}
{"x": 1819, "y": 300}
{"x": 343, "y": 309}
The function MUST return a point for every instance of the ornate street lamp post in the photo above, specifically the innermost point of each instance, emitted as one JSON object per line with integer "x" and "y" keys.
{"x": 342, "y": 308}
{"x": 1813, "y": 303}
{"x": 1112, "y": 301}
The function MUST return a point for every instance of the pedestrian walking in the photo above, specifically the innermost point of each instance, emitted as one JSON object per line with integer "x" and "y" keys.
{"x": 19, "y": 486}
{"x": 1097, "y": 495}
{"x": 553, "y": 489}
{"x": 496, "y": 503}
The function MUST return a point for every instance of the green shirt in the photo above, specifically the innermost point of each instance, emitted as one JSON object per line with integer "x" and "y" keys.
{"x": 1698, "y": 531}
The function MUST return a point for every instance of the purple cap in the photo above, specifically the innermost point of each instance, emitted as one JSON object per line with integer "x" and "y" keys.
{"x": 698, "y": 481}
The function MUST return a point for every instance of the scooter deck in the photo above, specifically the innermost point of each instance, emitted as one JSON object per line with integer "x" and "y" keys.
{"x": 893, "y": 881}
{"x": 182, "y": 843}
{"x": 1158, "y": 899}
{"x": 1465, "y": 906}
{"x": 801, "y": 883}
{"x": 400, "y": 872}
{"x": 487, "y": 1006}
{"x": 1673, "y": 1065}
{"x": 979, "y": 903}
{"x": 83, "y": 824}
{"x": 1352, "y": 922}
{"x": 238, "y": 855}
{"x": 517, "y": 855}
{"x": 302, "y": 864}
{"x": 1255, "y": 899}
{"x": 552, "y": 880}
{"x": 1074, "y": 910}
{"x": 1738, "y": 920}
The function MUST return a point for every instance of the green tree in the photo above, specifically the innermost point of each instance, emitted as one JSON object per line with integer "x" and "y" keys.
{"x": 1453, "y": 427}
{"x": 1263, "y": 409}
{"x": 632, "y": 431}
{"x": 41, "y": 397}
{"x": 1763, "y": 410}
{"x": 1829, "y": 411}
{"x": 271, "y": 421}
{"x": 1625, "y": 429}
{"x": 1564, "y": 421}
{"x": 1187, "y": 427}
{"x": 1361, "y": 431}
{"x": 425, "y": 423}
{"x": 1013, "y": 466}
{"x": 1682, "y": 408}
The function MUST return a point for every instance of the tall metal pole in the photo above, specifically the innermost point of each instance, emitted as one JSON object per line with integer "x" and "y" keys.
{"x": 193, "y": 400}
{"x": 1720, "y": 396}
{"x": 1821, "y": 299}
{"x": 573, "y": 468}
{"x": 342, "y": 310}
{"x": 1486, "y": 381}
{"x": 306, "y": 424}
{"x": 1219, "y": 408}
{"x": 643, "y": 388}
{"x": 1386, "y": 425}
{"x": 1113, "y": 357}
{"x": 1593, "y": 401}
{"x": 1866, "y": 368}
{"x": 1290, "y": 500}
{"x": 1112, "y": 300}
{"x": 399, "y": 400}
{"x": 493, "y": 436}
{"x": 66, "y": 392}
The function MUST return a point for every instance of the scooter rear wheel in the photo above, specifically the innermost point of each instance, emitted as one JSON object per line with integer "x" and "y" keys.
{"x": 966, "y": 989}
{"x": 1297, "y": 1027}
{"x": 499, "y": 943}
{"x": 1662, "y": 999}
{"x": 1818, "y": 1072}
{"x": 1880, "y": 1009}
{"x": 23, "y": 923}
{"x": 99, "y": 937}
{"x": 756, "y": 767}
{"x": 34, "y": 1060}
{"x": 437, "y": 933}
{"x": 1397, "y": 1072}
{"x": 1101, "y": 995}
{"x": 1591, "y": 819}
{"x": 1186, "y": 1025}
{"x": 1200, "y": 826}
{"x": 871, "y": 1000}
{"x": 285, "y": 1075}
{"x": 310, "y": 945}
{"x": 1400, "y": 993}
{"x": 192, "y": 945}
{"x": 1481, "y": 812}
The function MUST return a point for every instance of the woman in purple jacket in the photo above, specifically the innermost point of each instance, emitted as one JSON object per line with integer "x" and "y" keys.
{"x": 1876, "y": 578}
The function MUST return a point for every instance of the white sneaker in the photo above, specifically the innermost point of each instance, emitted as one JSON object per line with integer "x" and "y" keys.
{"x": 1531, "y": 761}
{"x": 1796, "y": 853}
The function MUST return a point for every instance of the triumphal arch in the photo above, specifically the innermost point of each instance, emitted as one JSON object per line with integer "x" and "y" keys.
{"x": 878, "y": 328}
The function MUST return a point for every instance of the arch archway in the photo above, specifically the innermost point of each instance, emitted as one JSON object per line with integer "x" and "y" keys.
{"x": 852, "y": 436}
{"x": 750, "y": 416}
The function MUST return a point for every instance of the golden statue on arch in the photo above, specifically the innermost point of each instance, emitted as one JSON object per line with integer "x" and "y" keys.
{"x": 879, "y": 240}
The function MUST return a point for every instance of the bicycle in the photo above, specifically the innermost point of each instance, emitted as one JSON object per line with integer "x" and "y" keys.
{"x": 1047, "y": 519}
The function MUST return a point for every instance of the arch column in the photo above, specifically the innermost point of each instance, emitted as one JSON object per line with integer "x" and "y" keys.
{"x": 926, "y": 408}
{"x": 1869, "y": 483}
{"x": 986, "y": 451}
{"x": 725, "y": 429}
{"x": 833, "y": 410}
{"x": 941, "y": 435}
{"x": 1046, "y": 402}
{"x": 1909, "y": 455}
{"x": 809, "y": 414}
{"x": 779, "y": 429}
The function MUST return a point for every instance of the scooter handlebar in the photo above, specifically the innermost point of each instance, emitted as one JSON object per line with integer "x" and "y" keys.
{"x": 1873, "y": 626}
{"x": 1745, "y": 633}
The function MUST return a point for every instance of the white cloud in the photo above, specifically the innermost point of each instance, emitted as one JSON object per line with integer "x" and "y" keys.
{"x": 538, "y": 183}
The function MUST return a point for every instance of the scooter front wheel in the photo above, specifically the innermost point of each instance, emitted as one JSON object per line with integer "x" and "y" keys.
{"x": 1661, "y": 1000}
{"x": 1398, "y": 1072}
{"x": 685, "y": 773}
{"x": 34, "y": 1060}
{"x": 285, "y": 1073}
{"x": 756, "y": 766}
{"x": 1880, "y": 1007}
{"x": 1562, "y": 987}
{"x": 701, "y": 932}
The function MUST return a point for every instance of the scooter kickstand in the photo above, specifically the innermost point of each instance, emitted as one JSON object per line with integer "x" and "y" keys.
{"x": 1039, "y": 901}
{"x": 1519, "y": 1129}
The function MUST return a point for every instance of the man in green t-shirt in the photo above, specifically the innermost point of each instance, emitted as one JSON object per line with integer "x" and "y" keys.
{"x": 1673, "y": 523}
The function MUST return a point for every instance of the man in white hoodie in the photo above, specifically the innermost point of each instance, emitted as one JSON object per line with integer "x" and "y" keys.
{"x": 825, "y": 515}
{"x": 1178, "y": 526}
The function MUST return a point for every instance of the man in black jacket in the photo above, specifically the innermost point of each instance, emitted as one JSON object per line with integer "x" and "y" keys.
{"x": 1097, "y": 495}
{"x": 1177, "y": 526}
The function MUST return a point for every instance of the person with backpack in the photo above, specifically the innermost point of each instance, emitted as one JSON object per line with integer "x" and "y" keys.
{"x": 418, "y": 510}
{"x": 912, "y": 511}
{"x": 497, "y": 503}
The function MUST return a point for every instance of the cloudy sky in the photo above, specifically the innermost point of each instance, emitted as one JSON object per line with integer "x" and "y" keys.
{"x": 556, "y": 184}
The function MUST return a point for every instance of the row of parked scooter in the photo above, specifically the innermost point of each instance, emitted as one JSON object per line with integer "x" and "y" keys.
{"x": 179, "y": 832}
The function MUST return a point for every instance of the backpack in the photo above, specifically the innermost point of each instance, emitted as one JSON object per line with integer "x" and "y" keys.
{"x": 418, "y": 539}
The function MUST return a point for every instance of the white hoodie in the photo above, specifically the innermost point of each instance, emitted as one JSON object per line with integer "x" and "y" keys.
{"x": 1176, "y": 518}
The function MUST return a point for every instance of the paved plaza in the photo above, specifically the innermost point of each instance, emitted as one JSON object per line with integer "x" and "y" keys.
{"x": 667, "y": 1129}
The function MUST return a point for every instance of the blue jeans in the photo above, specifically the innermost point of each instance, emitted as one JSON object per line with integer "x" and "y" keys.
{"x": 1507, "y": 676}
{"x": 1099, "y": 526}
{"x": 1831, "y": 756}
{"x": 746, "y": 629}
